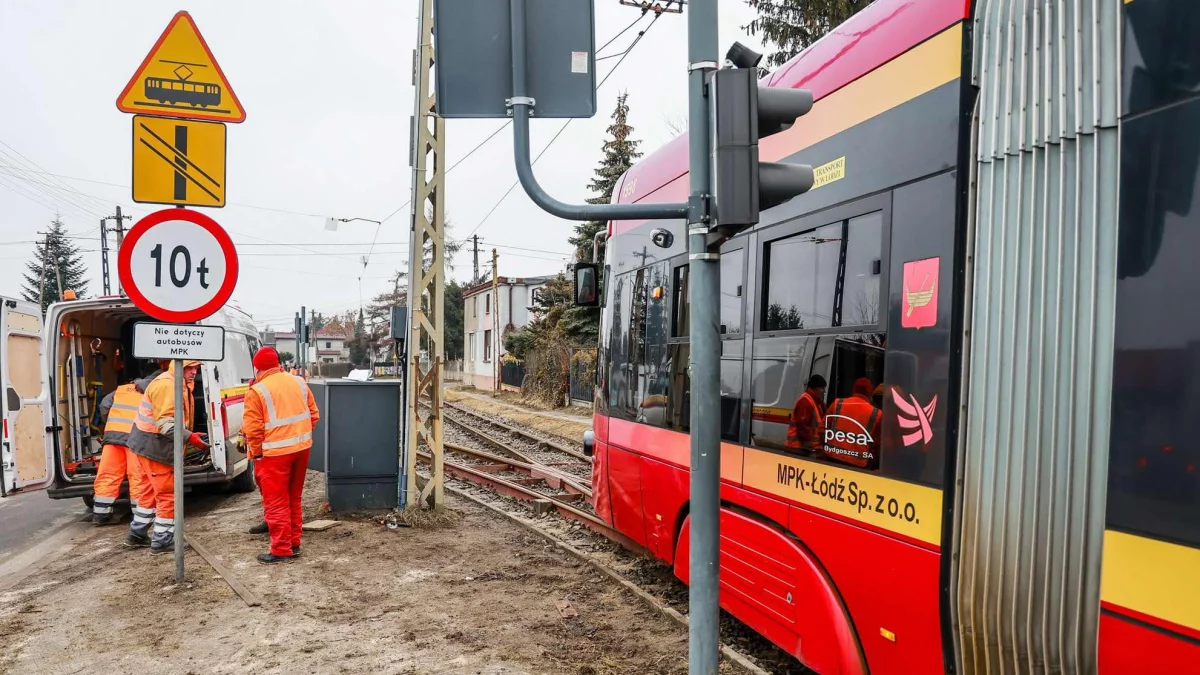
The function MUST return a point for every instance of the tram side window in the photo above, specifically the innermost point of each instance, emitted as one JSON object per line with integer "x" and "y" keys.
{"x": 732, "y": 264}
{"x": 618, "y": 356}
{"x": 824, "y": 277}
{"x": 864, "y": 268}
{"x": 801, "y": 273}
{"x": 681, "y": 322}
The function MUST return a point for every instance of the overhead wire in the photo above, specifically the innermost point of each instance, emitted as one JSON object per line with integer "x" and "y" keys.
{"x": 563, "y": 128}
{"x": 506, "y": 124}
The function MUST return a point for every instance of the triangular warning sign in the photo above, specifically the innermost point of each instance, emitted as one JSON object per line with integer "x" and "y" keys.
{"x": 180, "y": 78}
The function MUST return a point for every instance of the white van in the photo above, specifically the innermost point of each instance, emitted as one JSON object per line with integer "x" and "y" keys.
{"x": 54, "y": 377}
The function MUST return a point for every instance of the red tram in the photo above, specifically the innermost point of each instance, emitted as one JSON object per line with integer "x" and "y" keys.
{"x": 998, "y": 242}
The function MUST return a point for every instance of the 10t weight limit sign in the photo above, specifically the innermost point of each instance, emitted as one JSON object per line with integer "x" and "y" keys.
{"x": 178, "y": 265}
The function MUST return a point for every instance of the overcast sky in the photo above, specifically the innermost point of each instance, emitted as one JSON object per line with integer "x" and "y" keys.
{"x": 327, "y": 91}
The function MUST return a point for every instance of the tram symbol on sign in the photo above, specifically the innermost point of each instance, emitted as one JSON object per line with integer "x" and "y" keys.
{"x": 180, "y": 78}
{"x": 182, "y": 90}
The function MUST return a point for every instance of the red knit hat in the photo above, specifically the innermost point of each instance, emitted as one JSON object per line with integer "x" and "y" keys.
{"x": 266, "y": 358}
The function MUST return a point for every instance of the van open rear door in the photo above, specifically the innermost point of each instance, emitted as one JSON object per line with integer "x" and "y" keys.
{"x": 26, "y": 455}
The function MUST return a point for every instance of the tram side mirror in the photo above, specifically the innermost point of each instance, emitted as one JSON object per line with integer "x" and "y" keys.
{"x": 587, "y": 285}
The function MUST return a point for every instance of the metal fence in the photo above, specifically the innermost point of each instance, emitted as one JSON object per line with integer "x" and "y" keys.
{"x": 582, "y": 385}
{"x": 512, "y": 373}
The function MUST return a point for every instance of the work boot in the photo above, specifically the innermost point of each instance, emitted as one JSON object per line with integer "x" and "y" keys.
{"x": 136, "y": 540}
{"x": 99, "y": 519}
{"x": 158, "y": 547}
{"x": 296, "y": 551}
{"x": 271, "y": 558}
{"x": 260, "y": 528}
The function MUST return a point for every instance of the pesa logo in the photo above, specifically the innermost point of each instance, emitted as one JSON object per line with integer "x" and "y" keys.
{"x": 837, "y": 435}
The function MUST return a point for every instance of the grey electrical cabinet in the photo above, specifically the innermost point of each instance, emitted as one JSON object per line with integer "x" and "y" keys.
{"x": 357, "y": 443}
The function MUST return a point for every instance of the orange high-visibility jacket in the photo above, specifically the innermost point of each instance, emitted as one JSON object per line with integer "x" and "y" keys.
{"x": 153, "y": 435}
{"x": 852, "y": 431}
{"x": 280, "y": 415}
{"x": 807, "y": 423}
{"x": 119, "y": 410}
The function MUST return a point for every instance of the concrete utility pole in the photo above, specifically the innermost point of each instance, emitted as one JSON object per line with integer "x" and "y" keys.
{"x": 120, "y": 228}
{"x": 42, "y": 276}
{"x": 104, "y": 257}
{"x": 426, "y": 287}
{"x": 475, "y": 249}
{"x": 495, "y": 346}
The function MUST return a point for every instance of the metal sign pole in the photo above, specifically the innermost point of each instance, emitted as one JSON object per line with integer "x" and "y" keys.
{"x": 704, "y": 336}
{"x": 178, "y": 471}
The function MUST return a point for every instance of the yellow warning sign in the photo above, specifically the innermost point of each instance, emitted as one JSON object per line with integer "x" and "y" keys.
{"x": 180, "y": 78}
{"x": 180, "y": 162}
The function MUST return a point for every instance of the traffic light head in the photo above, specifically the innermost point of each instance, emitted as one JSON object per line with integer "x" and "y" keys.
{"x": 742, "y": 112}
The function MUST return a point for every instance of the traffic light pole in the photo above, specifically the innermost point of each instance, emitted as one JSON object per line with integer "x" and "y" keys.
{"x": 704, "y": 281}
{"x": 704, "y": 337}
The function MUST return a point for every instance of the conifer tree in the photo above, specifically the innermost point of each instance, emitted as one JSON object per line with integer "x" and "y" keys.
{"x": 792, "y": 25}
{"x": 56, "y": 257}
{"x": 620, "y": 152}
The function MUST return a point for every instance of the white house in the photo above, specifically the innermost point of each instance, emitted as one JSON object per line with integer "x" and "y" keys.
{"x": 330, "y": 347}
{"x": 487, "y": 315}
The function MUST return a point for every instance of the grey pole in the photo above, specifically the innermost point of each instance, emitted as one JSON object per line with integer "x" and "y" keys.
{"x": 522, "y": 105}
{"x": 705, "y": 340}
{"x": 178, "y": 471}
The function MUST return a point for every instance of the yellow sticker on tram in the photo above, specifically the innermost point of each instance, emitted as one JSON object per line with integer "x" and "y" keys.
{"x": 829, "y": 172}
{"x": 907, "y": 509}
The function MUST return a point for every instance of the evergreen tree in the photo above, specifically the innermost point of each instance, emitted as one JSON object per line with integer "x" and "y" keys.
{"x": 620, "y": 152}
{"x": 792, "y": 25}
{"x": 55, "y": 252}
{"x": 454, "y": 324}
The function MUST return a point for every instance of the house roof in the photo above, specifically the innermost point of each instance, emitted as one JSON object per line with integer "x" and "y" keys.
{"x": 331, "y": 335}
{"x": 507, "y": 281}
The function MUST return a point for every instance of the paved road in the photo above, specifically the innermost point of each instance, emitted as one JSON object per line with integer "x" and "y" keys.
{"x": 27, "y": 519}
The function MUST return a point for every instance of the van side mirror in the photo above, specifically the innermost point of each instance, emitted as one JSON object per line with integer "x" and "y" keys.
{"x": 587, "y": 285}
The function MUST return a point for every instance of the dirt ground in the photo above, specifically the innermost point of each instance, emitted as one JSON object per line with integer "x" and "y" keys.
{"x": 567, "y": 424}
{"x": 476, "y": 595}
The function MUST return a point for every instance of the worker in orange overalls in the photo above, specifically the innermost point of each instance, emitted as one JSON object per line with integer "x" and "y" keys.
{"x": 278, "y": 420}
{"x": 118, "y": 411}
{"x": 852, "y": 428}
{"x": 153, "y": 441}
{"x": 808, "y": 419}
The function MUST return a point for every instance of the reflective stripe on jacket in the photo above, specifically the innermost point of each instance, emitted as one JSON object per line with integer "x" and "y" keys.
{"x": 120, "y": 408}
{"x": 852, "y": 431}
{"x": 806, "y": 424}
{"x": 153, "y": 435}
{"x": 279, "y": 415}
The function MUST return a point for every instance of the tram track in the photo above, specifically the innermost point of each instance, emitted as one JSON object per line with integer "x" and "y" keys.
{"x": 530, "y": 491}
{"x": 575, "y": 467}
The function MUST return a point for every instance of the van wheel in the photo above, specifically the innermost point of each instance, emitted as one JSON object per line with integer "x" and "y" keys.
{"x": 244, "y": 482}
{"x": 87, "y": 499}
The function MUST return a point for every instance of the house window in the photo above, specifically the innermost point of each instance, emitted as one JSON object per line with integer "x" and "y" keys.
{"x": 487, "y": 345}
{"x": 487, "y": 304}
{"x": 471, "y": 347}
{"x": 328, "y": 344}
{"x": 475, "y": 308}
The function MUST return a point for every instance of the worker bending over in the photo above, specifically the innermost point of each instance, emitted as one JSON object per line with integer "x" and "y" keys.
{"x": 118, "y": 411}
{"x": 153, "y": 441}
{"x": 278, "y": 420}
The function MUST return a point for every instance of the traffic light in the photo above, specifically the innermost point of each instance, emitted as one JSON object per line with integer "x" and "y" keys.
{"x": 741, "y": 113}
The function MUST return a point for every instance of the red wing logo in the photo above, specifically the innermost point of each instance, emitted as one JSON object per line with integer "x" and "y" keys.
{"x": 919, "y": 302}
{"x": 913, "y": 417}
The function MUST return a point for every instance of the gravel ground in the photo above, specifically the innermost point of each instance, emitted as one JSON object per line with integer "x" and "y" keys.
{"x": 473, "y": 594}
{"x": 650, "y": 574}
